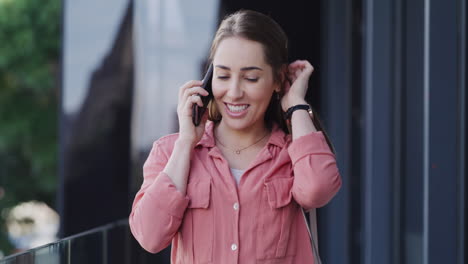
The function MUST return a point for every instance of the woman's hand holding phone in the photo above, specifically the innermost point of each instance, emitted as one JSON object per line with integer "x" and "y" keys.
{"x": 194, "y": 97}
{"x": 189, "y": 94}
{"x": 197, "y": 111}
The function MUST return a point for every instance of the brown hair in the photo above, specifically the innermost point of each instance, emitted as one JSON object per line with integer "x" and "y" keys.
{"x": 258, "y": 27}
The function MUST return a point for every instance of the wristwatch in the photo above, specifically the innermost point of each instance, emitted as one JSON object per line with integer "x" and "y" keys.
{"x": 291, "y": 109}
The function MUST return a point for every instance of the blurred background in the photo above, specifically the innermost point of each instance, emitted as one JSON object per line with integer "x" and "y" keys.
{"x": 87, "y": 86}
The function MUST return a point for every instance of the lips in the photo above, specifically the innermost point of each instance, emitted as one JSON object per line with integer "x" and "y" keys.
{"x": 236, "y": 110}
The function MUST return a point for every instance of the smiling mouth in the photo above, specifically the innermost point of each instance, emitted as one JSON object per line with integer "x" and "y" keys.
{"x": 236, "y": 108}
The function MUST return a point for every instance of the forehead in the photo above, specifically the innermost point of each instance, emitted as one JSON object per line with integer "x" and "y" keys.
{"x": 237, "y": 52}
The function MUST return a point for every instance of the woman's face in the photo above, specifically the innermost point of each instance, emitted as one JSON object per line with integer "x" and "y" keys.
{"x": 242, "y": 84}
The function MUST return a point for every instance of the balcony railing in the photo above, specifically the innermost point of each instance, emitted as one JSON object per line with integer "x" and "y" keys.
{"x": 109, "y": 244}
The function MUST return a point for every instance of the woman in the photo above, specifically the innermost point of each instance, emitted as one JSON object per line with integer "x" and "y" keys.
{"x": 231, "y": 189}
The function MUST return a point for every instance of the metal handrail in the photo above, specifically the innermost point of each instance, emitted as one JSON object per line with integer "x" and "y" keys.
{"x": 100, "y": 229}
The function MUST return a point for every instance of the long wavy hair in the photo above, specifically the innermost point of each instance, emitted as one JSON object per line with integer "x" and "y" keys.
{"x": 258, "y": 27}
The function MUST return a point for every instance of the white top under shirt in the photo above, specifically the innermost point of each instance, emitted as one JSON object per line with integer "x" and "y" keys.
{"x": 237, "y": 174}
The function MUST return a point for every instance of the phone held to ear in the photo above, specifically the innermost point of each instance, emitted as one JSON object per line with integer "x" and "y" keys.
{"x": 197, "y": 111}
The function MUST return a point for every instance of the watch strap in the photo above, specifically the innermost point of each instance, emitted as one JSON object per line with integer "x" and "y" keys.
{"x": 291, "y": 110}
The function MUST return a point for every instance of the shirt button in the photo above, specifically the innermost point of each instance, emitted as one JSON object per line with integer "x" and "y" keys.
{"x": 233, "y": 247}
{"x": 236, "y": 206}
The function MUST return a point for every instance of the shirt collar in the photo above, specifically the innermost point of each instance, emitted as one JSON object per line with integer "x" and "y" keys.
{"x": 277, "y": 138}
{"x": 207, "y": 139}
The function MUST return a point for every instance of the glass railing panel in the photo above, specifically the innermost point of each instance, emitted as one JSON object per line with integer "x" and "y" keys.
{"x": 110, "y": 244}
{"x": 55, "y": 253}
{"x": 118, "y": 247}
{"x": 25, "y": 257}
{"x": 87, "y": 249}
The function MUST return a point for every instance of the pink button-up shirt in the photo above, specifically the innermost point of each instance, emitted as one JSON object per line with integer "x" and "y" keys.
{"x": 258, "y": 221}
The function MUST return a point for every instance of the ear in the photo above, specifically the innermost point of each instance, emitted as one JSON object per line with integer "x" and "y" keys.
{"x": 284, "y": 73}
{"x": 284, "y": 80}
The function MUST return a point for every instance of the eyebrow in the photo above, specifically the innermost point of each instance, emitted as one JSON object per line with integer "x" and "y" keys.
{"x": 242, "y": 69}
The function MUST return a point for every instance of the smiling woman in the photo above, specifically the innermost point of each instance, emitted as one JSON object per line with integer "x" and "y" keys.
{"x": 243, "y": 85}
{"x": 232, "y": 188}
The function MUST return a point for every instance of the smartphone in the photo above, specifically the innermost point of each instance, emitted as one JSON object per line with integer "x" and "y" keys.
{"x": 197, "y": 111}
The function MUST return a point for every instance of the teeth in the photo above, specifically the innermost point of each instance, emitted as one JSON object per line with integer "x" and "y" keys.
{"x": 236, "y": 108}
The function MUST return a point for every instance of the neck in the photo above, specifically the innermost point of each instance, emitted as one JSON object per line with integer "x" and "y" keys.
{"x": 239, "y": 138}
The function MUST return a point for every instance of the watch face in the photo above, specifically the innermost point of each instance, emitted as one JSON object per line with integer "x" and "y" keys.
{"x": 311, "y": 114}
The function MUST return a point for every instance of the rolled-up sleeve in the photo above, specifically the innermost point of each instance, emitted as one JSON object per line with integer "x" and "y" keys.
{"x": 158, "y": 207}
{"x": 316, "y": 175}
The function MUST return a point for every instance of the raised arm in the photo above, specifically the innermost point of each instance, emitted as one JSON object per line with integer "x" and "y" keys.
{"x": 316, "y": 176}
{"x": 160, "y": 204}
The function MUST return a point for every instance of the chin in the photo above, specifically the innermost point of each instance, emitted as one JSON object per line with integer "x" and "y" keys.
{"x": 238, "y": 124}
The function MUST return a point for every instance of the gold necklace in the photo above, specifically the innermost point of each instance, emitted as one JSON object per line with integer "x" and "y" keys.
{"x": 238, "y": 151}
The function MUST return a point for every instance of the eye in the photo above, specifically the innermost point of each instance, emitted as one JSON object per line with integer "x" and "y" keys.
{"x": 252, "y": 79}
{"x": 223, "y": 77}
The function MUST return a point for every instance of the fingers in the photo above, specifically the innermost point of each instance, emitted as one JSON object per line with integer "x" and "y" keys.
{"x": 299, "y": 69}
{"x": 300, "y": 66}
{"x": 189, "y": 94}
{"x": 195, "y": 99}
{"x": 194, "y": 91}
{"x": 185, "y": 106}
{"x": 190, "y": 89}
{"x": 188, "y": 85}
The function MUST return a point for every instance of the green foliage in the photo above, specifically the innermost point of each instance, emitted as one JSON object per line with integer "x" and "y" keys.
{"x": 29, "y": 59}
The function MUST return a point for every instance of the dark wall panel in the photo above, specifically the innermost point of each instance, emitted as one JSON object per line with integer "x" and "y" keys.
{"x": 411, "y": 130}
{"x": 441, "y": 180}
{"x": 95, "y": 143}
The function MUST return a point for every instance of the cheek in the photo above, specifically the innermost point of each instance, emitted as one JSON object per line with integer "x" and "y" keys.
{"x": 260, "y": 96}
{"x": 218, "y": 89}
{"x": 263, "y": 93}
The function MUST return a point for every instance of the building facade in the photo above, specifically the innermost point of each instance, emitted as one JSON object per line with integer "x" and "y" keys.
{"x": 389, "y": 85}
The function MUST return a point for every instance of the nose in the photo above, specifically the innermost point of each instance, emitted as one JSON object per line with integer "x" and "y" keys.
{"x": 235, "y": 89}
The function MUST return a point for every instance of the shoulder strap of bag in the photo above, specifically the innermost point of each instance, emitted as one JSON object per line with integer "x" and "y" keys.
{"x": 312, "y": 233}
